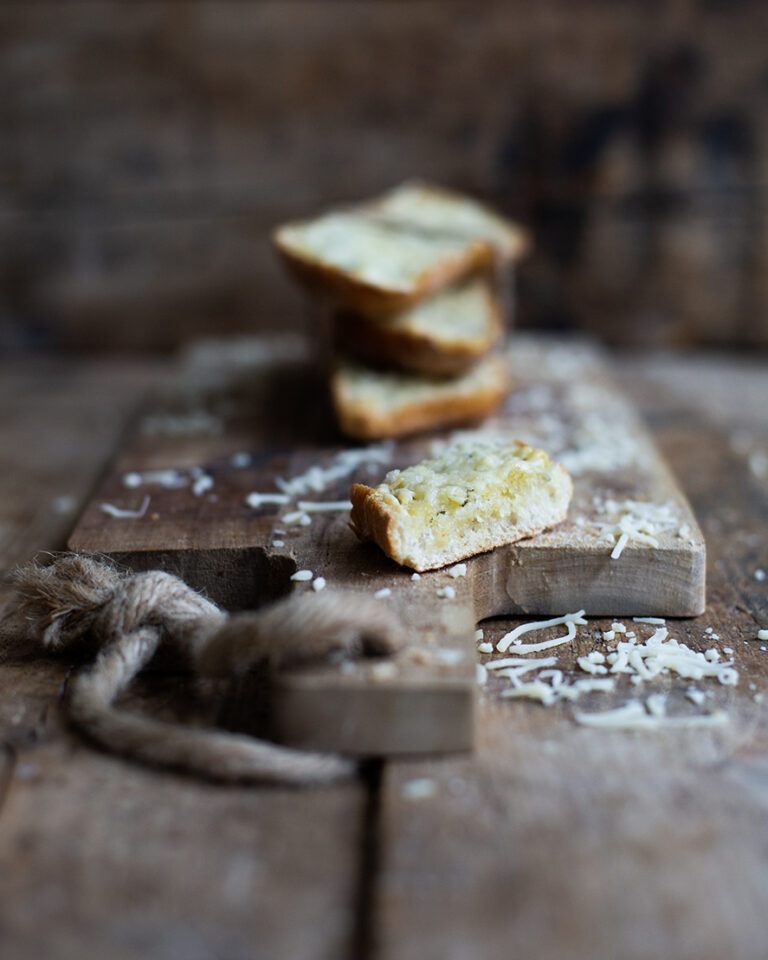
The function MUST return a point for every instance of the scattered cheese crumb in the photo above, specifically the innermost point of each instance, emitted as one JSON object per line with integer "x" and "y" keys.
{"x": 633, "y": 716}
{"x": 662, "y": 654}
{"x": 170, "y": 479}
{"x": 589, "y": 666}
{"x": 383, "y": 671}
{"x": 298, "y": 516}
{"x": 278, "y": 543}
{"x": 316, "y": 478}
{"x": 449, "y": 656}
{"x": 202, "y": 484}
{"x": 609, "y": 635}
{"x": 656, "y": 621}
{"x": 538, "y": 690}
{"x": 728, "y": 650}
{"x": 124, "y": 514}
{"x": 485, "y": 647}
{"x": 481, "y": 673}
{"x": 637, "y": 521}
{"x": 708, "y": 630}
{"x": 302, "y": 575}
{"x": 619, "y": 548}
{"x": 523, "y": 663}
{"x": 420, "y": 789}
{"x": 760, "y": 574}
{"x": 257, "y": 500}
{"x": 446, "y": 593}
{"x": 478, "y": 634}
{"x": 318, "y": 584}
{"x": 618, "y": 627}
{"x": 459, "y": 570}
{"x": 568, "y": 619}
{"x": 384, "y": 592}
{"x": 318, "y": 506}
{"x": 695, "y": 696}
{"x": 711, "y": 654}
{"x": 657, "y": 704}
{"x": 762, "y": 634}
{"x": 415, "y": 576}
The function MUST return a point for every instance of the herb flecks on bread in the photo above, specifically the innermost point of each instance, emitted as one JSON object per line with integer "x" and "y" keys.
{"x": 478, "y": 495}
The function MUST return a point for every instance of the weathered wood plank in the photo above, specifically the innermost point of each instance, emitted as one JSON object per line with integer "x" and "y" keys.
{"x": 569, "y": 842}
{"x": 103, "y": 858}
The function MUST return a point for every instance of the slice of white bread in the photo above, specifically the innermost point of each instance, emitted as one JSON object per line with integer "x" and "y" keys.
{"x": 478, "y": 495}
{"x": 370, "y": 404}
{"x": 374, "y": 266}
{"x": 445, "y": 334}
{"x": 433, "y": 208}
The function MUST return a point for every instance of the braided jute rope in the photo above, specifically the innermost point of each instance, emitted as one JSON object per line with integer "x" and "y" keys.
{"x": 124, "y": 618}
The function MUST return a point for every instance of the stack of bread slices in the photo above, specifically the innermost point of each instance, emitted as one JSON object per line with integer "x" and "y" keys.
{"x": 412, "y": 279}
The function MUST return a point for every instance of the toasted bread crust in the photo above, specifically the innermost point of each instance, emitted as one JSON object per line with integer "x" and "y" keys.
{"x": 372, "y": 519}
{"x": 364, "y": 423}
{"x": 377, "y": 343}
{"x": 369, "y": 518}
{"x": 368, "y": 299}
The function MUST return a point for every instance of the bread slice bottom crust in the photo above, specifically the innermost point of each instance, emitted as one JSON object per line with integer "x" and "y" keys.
{"x": 382, "y": 343}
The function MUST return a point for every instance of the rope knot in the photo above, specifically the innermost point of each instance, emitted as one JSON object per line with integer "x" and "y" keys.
{"x": 127, "y": 616}
{"x": 154, "y": 599}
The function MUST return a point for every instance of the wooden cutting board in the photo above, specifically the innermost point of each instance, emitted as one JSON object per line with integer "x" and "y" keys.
{"x": 241, "y": 414}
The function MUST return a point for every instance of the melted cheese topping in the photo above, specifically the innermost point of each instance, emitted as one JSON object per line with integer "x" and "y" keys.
{"x": 380, "y": 253}
{"x": 469, "y": 485}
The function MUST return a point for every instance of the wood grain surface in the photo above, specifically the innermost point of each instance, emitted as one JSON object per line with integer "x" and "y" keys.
{"x": 104, "y": 859}
{"x": 562, "y": 399}
{"x": 564, "y": 842}
{"x": 552, "y": 840}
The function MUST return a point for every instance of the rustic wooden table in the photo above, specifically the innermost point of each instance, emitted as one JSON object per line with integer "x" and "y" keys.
{"x": 551, "y": 840}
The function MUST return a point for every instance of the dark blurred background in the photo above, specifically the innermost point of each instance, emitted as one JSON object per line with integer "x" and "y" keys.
{"x": 147, "y": 149}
